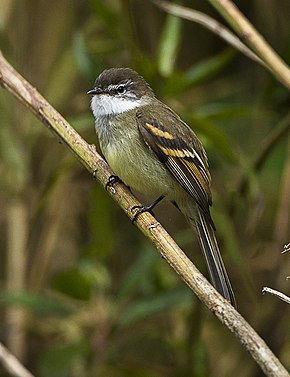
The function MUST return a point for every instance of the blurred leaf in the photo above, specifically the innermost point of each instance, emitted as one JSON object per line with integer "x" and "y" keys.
{"x": 60, "y": 361}
{"x": 65, "y": 71}
{"x": 177, "y": 298}
{"x": 74, "y": 284}
{"x": 109, "y": 40}
{"x": 137, "y": 276}
{"x": 102, "y": 227}
{"x": 128, "y": 358}
{"x": 80, "y": 282}
{"x": 209, "y": 68}
{"x": 105, "y": 12}
{"x": 223, "y": 111}
{"x": 228, "y": 233}
{"x": 83, "y": 122}
{"x": 37, "y": 302}
{"x": 12, "y": 152}
{"x": 248, "y": 171}
{"x": 199, "y": 73}
{"x": 82, "y": 55}
{"x": 169, "y": 45}
{"x": 217, "y": 137}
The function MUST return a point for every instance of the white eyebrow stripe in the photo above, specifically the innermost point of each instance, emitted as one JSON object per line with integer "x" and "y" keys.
{"x": 123, "y": 83}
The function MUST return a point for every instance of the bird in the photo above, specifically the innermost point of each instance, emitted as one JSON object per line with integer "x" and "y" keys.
{"x": 153, "y": 151}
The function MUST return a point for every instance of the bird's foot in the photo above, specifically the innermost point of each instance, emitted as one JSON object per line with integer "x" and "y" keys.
{"x": 143, "y": 208}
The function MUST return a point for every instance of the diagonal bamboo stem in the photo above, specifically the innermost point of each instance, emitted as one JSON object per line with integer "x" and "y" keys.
{"x": 12, "y": 364}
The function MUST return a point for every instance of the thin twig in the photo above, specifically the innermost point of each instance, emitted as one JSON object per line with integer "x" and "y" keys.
{"x": 209, "y": 23}
{"x": 176, "y": 258}
{"x": 286, "y": 248}
{"x": 254, "y": 39}
{"x": 12, "y": 364}
{"x": 278, "y": 294}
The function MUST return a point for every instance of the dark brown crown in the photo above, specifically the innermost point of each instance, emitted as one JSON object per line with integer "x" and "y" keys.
{"x": 116, "y": 77}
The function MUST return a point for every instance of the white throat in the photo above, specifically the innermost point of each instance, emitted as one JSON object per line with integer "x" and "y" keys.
{"x": 106, "y": 105}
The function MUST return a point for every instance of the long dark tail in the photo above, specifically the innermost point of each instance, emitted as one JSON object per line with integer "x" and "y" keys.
{"x": 212, "y": 256}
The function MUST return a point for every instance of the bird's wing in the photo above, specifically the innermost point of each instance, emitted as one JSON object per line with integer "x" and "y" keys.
{"x": 187, "y": 164}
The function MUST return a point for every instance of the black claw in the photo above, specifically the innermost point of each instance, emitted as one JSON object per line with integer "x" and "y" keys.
{"x": 142, "y": 209}
{"x": 113, "y": 179}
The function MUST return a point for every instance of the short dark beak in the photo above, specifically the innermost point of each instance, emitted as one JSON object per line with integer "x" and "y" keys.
{"x": 92, "y": 91}
{"x": 95, "y": 91}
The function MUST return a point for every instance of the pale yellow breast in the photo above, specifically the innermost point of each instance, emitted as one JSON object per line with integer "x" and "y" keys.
{"x": 138, "y": 167}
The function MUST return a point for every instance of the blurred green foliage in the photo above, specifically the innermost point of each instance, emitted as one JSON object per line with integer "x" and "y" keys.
{"x": 95, "y": 298}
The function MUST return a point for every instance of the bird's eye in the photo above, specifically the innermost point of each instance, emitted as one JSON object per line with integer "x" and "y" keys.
{"x": 121, "y": 89}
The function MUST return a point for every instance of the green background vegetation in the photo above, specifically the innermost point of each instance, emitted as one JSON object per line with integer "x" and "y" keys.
{"x": 83, "y": 293}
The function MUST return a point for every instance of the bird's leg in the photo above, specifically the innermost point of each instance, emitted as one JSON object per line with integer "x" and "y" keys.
{"x": 144, "y": 208}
